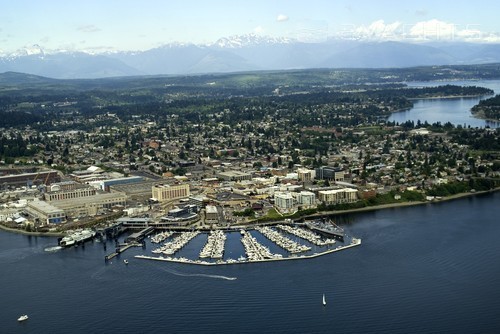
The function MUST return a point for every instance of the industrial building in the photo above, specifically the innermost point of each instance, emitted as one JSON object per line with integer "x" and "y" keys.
{"x": 71, "y": 192}
{"x": 106, "y": 184}
{"x": 234, "y": 175}
{"x": 91, "y": 205}
{"x": 38, "y": 178}
{"x": 137, "y": 191}
{"x": 44, "y": 213}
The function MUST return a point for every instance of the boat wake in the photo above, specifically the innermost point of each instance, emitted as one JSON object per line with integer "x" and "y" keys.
{"x": 176, "y": 273}
{"x": 52, "y": 249}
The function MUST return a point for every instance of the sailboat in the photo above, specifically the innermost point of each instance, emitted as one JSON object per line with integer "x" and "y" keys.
{"x": 324, "y": 300}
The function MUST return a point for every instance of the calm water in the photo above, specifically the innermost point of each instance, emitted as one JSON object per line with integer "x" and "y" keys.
{"x": 457, "y": 111}
{"x": 431, "y": 268}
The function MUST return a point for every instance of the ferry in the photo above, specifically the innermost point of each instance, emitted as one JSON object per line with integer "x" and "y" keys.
{"x": 77, "y": 237}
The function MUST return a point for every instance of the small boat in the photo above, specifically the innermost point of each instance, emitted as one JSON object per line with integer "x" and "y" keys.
{"x": 324, "y": 300}
{"x": 22, "y": 318}
{"x": 125, "y": 261}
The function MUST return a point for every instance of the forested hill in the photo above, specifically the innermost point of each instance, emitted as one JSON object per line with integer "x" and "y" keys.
{"x": 489, "y": 108}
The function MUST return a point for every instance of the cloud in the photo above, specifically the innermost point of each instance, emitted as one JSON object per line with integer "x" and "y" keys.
{"x": 430, "y": 30}
{"x": 433, "y": 30}
{"x": 377, "y": 30}
{"x": 88, "y": 28}
{"x": 258, "y": 30}
{"x": 282, "y": 18}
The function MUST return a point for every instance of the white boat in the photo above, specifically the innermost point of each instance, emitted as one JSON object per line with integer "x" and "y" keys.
{"x": 324, "y": 300}
{"x": 23, "y": 317}
{"x": 77, "y": 237}
{"x": 125, "y": 261}
{"x": 67, "y": 241}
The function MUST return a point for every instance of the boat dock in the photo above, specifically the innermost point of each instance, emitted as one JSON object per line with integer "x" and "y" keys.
{"x": 355, "y": 242}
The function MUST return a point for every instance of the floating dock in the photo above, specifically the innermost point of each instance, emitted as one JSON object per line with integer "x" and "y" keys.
{"x": 355, "y": 242}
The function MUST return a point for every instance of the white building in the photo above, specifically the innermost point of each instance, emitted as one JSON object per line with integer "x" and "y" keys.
{"x": 306, "y": 198}
{"x": 338, "y": 196}
{"x": 283, "y": 201}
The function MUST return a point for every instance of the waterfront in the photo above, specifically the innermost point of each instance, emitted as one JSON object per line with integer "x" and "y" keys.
{"x": 428, "y": 268}
{"x": 454, "y": 110}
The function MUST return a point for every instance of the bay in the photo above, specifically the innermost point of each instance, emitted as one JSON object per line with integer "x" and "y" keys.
{"x": 457, "y": 111}
{"x": 429, "y": 268}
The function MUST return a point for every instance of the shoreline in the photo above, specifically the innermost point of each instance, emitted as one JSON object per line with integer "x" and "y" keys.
{"x": 480, "y": 115}
{"x": 36, "y": 234}
{"x": 402, "y": 204}
{"x": 316, "y": 215}
{"x": 447, "y": 97}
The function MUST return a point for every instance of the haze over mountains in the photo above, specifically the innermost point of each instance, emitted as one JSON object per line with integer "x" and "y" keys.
{"x": 245, "y": 53}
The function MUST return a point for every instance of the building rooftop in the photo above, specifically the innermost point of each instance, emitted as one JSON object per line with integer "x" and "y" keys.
{"x": 44, "y": 206}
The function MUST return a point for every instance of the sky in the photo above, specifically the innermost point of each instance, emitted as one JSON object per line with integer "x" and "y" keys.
{"x": 103, "y": 25}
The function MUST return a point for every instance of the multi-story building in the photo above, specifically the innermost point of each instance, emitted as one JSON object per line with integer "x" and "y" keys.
{"x": 338, "y": 196}
{"x": 283, "y": 201}
{"x": 166, "y": 192}
{"x": 330, "y": 173}
{"x": 305, "y": 175}
{"x": 306, "y": 198}
{"x": 211, "y": 213}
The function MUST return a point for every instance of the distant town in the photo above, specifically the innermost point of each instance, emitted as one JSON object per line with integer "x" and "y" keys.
{"x": 214, "y": 152}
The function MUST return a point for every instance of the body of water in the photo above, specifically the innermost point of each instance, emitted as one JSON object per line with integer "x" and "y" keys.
{"x": 454, "y": 110}
{"x": 430, "y": 268}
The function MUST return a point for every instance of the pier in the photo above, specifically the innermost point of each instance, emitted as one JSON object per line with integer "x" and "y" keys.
{"x": 355, "y": 242}
{"x": 120, "y": 249}
{"x": 139, "y": 236}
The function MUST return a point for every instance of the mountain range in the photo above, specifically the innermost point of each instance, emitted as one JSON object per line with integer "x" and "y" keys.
{"x": 245, "y": 53}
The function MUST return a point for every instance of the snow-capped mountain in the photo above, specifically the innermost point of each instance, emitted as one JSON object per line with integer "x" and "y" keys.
{"x": 249, "y": 40}
{"x": 242, "y": 53}
{"x": 32, "y": 50}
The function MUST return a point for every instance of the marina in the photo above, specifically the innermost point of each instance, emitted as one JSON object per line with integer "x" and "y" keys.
{"x": 255, "y": 250}
{"x": 282, "y": 241}
{"x": 262, "y": 255}
{"x": 310, "y": 240}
